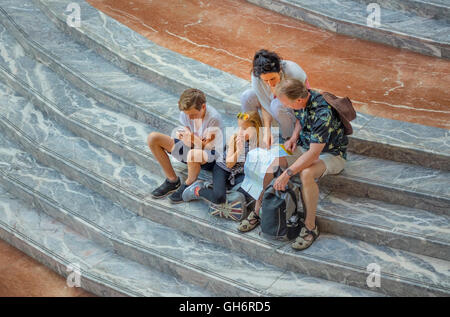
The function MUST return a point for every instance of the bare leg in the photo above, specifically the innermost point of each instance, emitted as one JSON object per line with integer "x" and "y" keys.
{"x": 160, "y": 144}
{"x": 310, "y": 192}
{"x": 196, "y": 158}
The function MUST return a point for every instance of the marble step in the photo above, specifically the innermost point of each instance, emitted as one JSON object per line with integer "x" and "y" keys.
{"x": 332, "y": 257}
{"x": 349, "y": 17}
{"x": 126, "y": 137}
{"x": 102, "y": 272}
{"x": 364, "y": 176}
{"x": 393, "y": 182}
{"x": 432, "y": 9}
{"x": 182, "y": 256}
{"x": 382, "y": 223}
{"x": 103, "y": 81}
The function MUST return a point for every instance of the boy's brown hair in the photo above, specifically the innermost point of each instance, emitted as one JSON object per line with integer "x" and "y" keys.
{"x": 292, "y": 88}
{"x": 191, "y": 97}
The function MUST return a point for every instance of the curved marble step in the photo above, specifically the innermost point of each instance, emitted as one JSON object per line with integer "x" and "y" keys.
{"x": 397, "y": 28}
{"x": 393, "y": 182}
{"x": 126, "y": 138}
{"x": 397, "y": 183}
{"x": 378, "y": 137}
{"x": 102, "y": 271}
{"x": 224, "y": 272}
{"x": 332, "y": 257}
{"x": 432, "y": 9}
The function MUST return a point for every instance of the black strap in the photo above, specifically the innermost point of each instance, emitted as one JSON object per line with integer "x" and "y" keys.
{"x": 311, "y": 232}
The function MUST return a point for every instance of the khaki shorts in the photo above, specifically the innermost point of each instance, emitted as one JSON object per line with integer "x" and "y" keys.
{"x": 334, "y": 163}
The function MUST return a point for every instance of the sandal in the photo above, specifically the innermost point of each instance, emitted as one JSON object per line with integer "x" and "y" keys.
{"x": 301, "y": 243}
{"x": 250, "y": 223}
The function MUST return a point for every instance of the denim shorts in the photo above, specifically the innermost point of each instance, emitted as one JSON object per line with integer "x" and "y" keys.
{"x": 181, "y": 150}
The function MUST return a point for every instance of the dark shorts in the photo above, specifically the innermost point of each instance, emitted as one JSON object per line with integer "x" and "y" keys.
{"x": 181, "y": 150}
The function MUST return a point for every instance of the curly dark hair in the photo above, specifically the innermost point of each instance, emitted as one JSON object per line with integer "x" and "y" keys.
{"x": 266, "y": 62}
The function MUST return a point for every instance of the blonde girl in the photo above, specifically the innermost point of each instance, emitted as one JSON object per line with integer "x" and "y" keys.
{"x": 229, "y": 168}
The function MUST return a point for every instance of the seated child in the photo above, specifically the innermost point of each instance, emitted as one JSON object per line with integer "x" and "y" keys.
{"x": 229, "y": 168}
{"x": 193, "y": 145}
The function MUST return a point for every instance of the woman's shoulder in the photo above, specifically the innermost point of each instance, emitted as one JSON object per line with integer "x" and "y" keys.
{"x": 293, "y": 70}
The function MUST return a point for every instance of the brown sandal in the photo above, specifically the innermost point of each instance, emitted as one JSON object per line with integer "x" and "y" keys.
{"x": 250, "y": 223}
{"x": 301, "y": 243}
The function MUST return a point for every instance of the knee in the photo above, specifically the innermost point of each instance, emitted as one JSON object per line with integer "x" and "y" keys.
{"x": 152, "y": 139}
{"x": 249, "y": 100}
{"x": 307, "y": 176}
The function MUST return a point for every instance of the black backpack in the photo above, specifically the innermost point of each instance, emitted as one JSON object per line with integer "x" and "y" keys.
{"x": 280, "y": 218}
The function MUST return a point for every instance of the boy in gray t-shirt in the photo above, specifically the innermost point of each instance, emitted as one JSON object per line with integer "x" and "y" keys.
{"x": 194, "y": 144}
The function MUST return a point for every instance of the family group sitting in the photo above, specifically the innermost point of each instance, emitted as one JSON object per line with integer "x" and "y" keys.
{"x": 313, "y": 130}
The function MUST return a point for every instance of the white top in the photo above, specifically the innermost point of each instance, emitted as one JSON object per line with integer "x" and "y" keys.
{"x": 200, "y": 127}
{"x": 265, "y": 96}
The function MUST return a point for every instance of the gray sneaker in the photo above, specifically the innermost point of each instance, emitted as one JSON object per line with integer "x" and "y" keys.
{"x": 189, "y": 192}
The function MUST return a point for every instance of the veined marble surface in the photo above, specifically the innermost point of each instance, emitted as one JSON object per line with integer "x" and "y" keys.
{"x": 87, "y": 113}
{"x": 398, "y": 28}
{"x": 134, "y": 133}
{"x": 429, "y": 149}
{"x": 89, "y": 212}
{"x": 102, "y": 271}
{"x": 137, "y": 181}
{"x": 433, "y": 9}
{"x": 93, "y": 114}
{"x": 396, "y": 226}
{"x": 119, "y": 173}
{"x": 135, "y": 49}
{"x": 393, "y": 182}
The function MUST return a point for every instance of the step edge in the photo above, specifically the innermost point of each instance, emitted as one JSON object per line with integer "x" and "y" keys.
{"x": 158, "y": 116}
{"x": 70, "y": 121}
{"x": 355, "y": 269}
{"x": 114, "y": 238}
{"x": 130, "y": 147}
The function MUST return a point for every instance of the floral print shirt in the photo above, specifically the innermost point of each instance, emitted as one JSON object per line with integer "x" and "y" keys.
{"x": 320, "y": 123}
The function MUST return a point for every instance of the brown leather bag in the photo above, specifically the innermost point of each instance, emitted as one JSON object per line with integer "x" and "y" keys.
{"x": 345, "y": 109}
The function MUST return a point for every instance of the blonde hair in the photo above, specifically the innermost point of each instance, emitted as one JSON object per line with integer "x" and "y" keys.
{"x": 292, "y": 88}
{"x": 254, "y": 118}
{"x": 190, "y": 98}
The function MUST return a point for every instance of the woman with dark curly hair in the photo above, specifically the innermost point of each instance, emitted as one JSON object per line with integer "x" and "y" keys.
{"x": 268, "y": 70}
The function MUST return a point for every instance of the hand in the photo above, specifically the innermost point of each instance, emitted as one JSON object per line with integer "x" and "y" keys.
{"x": 291, "y": 144}
{"x": 186, "y": 138}
{"x": 179, "y": 133}
{"x": 281, "y": 182}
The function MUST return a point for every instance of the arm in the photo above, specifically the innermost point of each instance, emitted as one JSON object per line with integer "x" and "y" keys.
{"x": 232, "y": 151}
{"x": 267, "y": 123}
{"x": 304, "y": 161}
{"x": 211, "y": 135}
{"x": 307, "y": 158}
{"x": 291, "y": 144}
{"x": 320, "y": 136}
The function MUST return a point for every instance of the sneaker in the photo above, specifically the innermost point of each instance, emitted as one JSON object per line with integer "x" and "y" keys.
{"x": 191, "y": 192}
{"x": 176, "y": 197}
{"x": 208, "y": 185}
{"x": 165, "y": 189}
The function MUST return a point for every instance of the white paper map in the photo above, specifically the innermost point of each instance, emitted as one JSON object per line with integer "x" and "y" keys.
{"x": 256, "y": 165}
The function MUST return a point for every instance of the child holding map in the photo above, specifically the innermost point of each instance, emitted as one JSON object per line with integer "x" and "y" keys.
{"x": 229, "y": 168}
